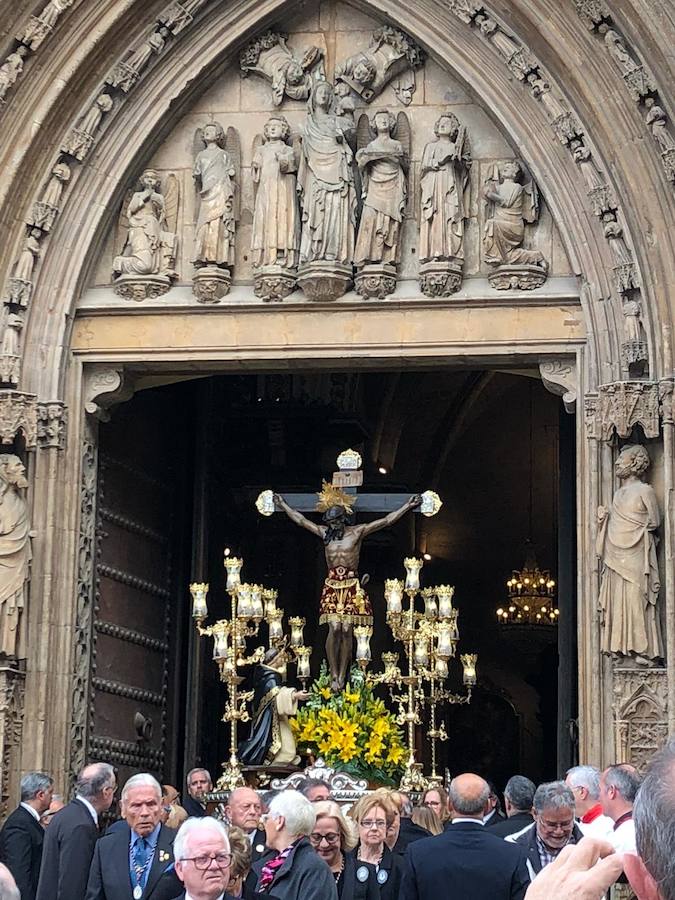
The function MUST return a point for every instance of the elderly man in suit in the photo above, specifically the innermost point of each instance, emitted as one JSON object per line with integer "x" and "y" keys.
{"x": 518, "y": 796}
{"x": 198, "y": 782}
{"x": 244, "y": 809}
{"x": 554, "y": 826}
{"x": 136, "y": 861}
{"x": 203, "y": 857}
{"x": 465, "y": 860}
{"x": 22, "y": 835}
{"x": 70, "y": 839}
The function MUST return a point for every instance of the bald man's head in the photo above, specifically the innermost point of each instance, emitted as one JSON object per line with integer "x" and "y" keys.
{"x": 469, "y": 795}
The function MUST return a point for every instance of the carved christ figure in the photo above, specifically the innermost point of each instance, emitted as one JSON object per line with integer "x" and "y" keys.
{"x": 343, "y": 603}
{"x": 213, "y": 173}
{"x": 444, "y": 178}
{"x": 383, "y": 164}
{"x": 326, "y": 182}
{"x": 626, "y": 545}
{"x": 15, "y": 554}
{"x": 275, "y": 235}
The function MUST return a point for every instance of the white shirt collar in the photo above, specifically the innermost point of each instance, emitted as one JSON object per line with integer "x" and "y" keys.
{"x": 489, "y": 816}
{"x": 91, "y": 809}
{"x": 465, "y": 819}
{"x": 34, "y": 813}
{"x": 189, "y": 896}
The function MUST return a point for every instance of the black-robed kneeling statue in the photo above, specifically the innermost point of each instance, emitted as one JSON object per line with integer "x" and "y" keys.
{"x": 271, "y": 741}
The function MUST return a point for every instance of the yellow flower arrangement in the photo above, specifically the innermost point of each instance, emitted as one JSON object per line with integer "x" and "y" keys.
{"x": 353, "y": 730}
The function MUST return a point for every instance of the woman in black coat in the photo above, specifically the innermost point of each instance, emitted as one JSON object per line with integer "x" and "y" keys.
{"x": 373, "y": 814}
{"x": 334, "y": 839}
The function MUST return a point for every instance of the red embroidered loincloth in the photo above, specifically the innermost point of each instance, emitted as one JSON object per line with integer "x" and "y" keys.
{"x": 344, "y": 600}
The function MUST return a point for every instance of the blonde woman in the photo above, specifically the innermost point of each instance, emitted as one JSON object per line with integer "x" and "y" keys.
{"x": 334, "y": 839}
{"x": 240, "y": 848}
{"x": 374, "y": 814}
{"x": 436, "y": 798}
{"x": 425, "y": 817}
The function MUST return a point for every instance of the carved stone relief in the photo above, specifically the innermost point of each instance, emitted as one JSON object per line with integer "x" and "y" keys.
{"x": 269, "y": 57}
{"x": 80, "y": 140}
{"x": 12, "y": 694}
{"x": 126, "y": 73}
{"x": 391, "y": 56}
{"x": 18, "y": 416}
{"x": 52, "y": 419}
{"x": 15, "y": 555}
{"x": 145, "y": 266}
{"x": 621, "y": 406}
{"x": 630, "y": 582}
{"x": 103, "y": 388}
{"x": 640, "y": 714}
{"x": 510, "y": 203}
{"x": 47, "y": 207}
{"x": 10, "y": 70}
{"x": 559, "y": 376}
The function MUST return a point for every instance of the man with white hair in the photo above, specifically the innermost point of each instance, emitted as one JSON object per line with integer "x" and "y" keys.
{"x": 137, "y": 861}
{"x": 203, "y": 857}
{"x": 243, "y": 810}
{"x": 584, "y": 782}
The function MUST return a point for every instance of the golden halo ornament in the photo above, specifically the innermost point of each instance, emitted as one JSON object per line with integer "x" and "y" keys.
{"x": 334, "y": 496}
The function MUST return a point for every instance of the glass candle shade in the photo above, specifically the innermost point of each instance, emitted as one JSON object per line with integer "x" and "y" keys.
{"x": 444, "y": 647}
{"x": 412, "y": 573}
{"x": 296, "y": 625}
{"x": 445, "y": 593}
{"x": 244, "y": 605}
{"x": 303, "y": 654}
{"x": 393, "y": 594}
{"x": 229, "y": 665}
{"x": 430, "y": 607}
{"x": 441, "y": 668}
{"x": 275, "y": 626}
{"x": 363, "y": 634}
{"x": 256, "y": 601}
{"x": 199, "y": 593}
{"x": 233, "y": 568}
{"x": 469, "y": 661}
{"x": 220, "y": 649}
{"x": 421, "y": 652}
{"x": 270, "y": 598}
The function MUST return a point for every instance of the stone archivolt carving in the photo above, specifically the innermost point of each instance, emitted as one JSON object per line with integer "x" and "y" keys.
{"x": 15, "y": 554}
{"x": 391, "y": 56}
{"x": 640, "y": 709}
{"x": 621, "y": 406}
{"x": 126, "y": 73}
{"x": 444, "y": 207}
{"x": 80, "y": 140}
{"x": 179, "y": 15}
{"x": 39, "y": 27}
{"x": 509, "y": 204}
{"x": 10, "y": 351}
{"x": 10, "y": 70}
{"x": 269, "y": 57}
{"x": 383, "y": 159}
{"x": 638, "y": 80}
{"x": 145, "y": 267}
{"x": 328, "y": 197}
{"x": 275, "y": 237}
{"x": 216, "y": 173}
{"x": 21, "y": 283}
{"x": 18, "y": 415}
{"x": 634, "y": 347}
{"x": 12, "y": 695}
{"x": 657, "y": 122}
{"x": 47, "y": 207}
{"x": 630, "y": 582}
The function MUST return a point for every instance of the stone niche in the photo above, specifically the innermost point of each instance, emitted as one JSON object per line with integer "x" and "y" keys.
{"x": 245, "y": 104}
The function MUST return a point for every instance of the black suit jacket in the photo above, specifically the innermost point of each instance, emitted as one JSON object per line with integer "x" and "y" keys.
{"x": 464, "y": 863}
{"x": 258, "y": 846}
{"x": 21, "y": 850}
{"x": 66, "y": 854}
{"x": 408, "y": 833}
{"x": 512, "y": 825}
{"x": 528, "y": 843}
{"x": 496, "y": 819}
{"x": 181, "y": 896}
{"x": 109, "y": 878}
{"x": 193, "y": 807}
{"x": 364, "y": 887}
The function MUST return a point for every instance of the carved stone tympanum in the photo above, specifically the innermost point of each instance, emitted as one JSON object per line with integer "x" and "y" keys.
{"x": 626, "y": 545}
{"x": 444, "y": 183}
{"x": 215, "y": 171}
{"x": 383, "y": 165}
{"x": 15, "y": 553}
{"x": 275, "y": 237}
{"x": 145, "y": 267}
{"x": 328, "y": 197}
{"x": 509, "y": 205}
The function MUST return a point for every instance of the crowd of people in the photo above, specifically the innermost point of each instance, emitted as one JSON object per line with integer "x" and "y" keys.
{"x": 562, "y": 840}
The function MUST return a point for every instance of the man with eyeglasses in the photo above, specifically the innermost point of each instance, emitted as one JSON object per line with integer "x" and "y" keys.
{"x": 554, "y": 826}
{"x": 202, "y": 853}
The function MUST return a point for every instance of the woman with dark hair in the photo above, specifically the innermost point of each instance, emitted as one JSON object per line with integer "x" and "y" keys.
{"x": 334, "y": 839}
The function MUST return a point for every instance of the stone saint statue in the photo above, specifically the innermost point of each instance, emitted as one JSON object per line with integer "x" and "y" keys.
{"x": 383, "y": 164}
{"x": 344, "y": 603}
{"x": 444, "y": 179}
{"x": 15, "y": 554}
{"x": 214, "y": 173}
{"x": 275, "y": 235}
{"x": 626, "y": 545}
{"x": 271, "y": 741}
{"x": 326, "y": 182}
{"x": 146, "y": 251}
{"x": 509, "y": 205}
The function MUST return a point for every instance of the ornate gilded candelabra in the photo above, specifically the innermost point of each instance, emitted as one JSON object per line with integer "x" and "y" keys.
{"x": 250, "y": 605}
{"x": 430, "y": 639}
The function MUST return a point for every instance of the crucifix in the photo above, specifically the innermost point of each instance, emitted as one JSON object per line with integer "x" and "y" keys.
{"x": 344, "y": 602}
